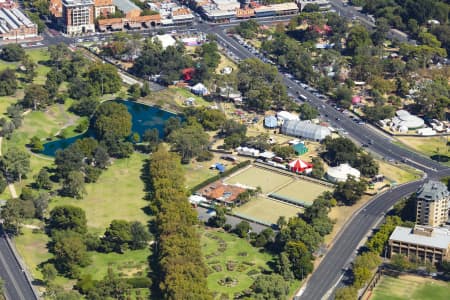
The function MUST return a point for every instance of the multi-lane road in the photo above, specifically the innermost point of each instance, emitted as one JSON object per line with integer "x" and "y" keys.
{"x": 16, "y": 284}
{"x": 327, "y": 275}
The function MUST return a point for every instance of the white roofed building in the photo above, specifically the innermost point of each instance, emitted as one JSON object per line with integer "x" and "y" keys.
{"x": 430, "y": 244}
{"x": 305, "y": 129}
{"x": 404, "y": 119}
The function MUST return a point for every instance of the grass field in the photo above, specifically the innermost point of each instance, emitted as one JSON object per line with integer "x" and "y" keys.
{"x": 398, "y": 174}
{"x": 33, "y": 249}
{"x": 38, "y": 56}
{"x": 118, "y": 194}
{"x": 254, "y": 177}
{"x": 429, "y": 146}
{"x": 128, "y": 264}
{"x": 229, "y": 256}
{"x": 302, "y": 191}
{"x": 267, "y": 210}
{"x": 410, "y": 288}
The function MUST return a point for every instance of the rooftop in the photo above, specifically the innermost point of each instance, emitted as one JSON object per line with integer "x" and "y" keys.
{"x": 431, "y": 237}
{"x": 77, "y": 2}
{"x": 433, "y": 191}
{"x": 222, "y": 192}
{"x": 125, "y": 5}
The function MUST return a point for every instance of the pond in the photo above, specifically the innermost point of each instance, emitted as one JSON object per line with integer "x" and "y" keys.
{"x": 143, "y": 117}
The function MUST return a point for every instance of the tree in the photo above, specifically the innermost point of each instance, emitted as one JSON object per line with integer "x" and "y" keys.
{"x": 73, "y": 185}
{"x": 379, "y": 112}
{"x": 281, "y": 222}
{"x": 36, "y": 97}
{"x": 270, "y": 287}
{"x": 343, "y": 96}
{"x": 12, "y": 216}
{"x": 104, "y": 78}
{"x": 350, "y": 191}
{"x": 101, "y": 157}
{"x": 358, "y": 37}
{"x": 189, "y": 141}
{"x": 111, "y": 287}
{"x": 85, "y": 107}
{"x": 139, "y": 236}
{"x": 8, "y": 82}
{"x": 307, "y": 111}
{"x": 283, "y": 266}
{"x": 300, "y": 258}
{"x": 340, "y": 150}
{"x": 36, "y": 144}
{"x": 29, "y": 68}
{"x": 318, "y": 169}
{"x": 151, "y": 136}
{"x": 285, "y": 152}
{"x": 15, "y": 163}
{"x": 112, "y": 120}
{"x": 117, "y": 236}
{"x": 40, "y": 204}
{"x": 219, "y": 219}
{"x": 12, "y": 52}
{"x": 3, "y": 183}
{"x": 242, "y": 229}
{"x": 70, "y": 252}
{"x": 367, "y": 165}
{"x": 67, "y": 217}
{"x": 49, "y": 273}
{"x": 346, "y": 293}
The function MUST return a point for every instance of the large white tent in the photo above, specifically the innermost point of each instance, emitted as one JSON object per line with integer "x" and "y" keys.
{"x": 342, "y": 172}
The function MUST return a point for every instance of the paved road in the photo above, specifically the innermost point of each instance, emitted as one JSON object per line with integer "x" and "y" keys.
{"x": 16, "y": 284}
{"x": 330, "y": 271}
{"x": 204, "y": 216}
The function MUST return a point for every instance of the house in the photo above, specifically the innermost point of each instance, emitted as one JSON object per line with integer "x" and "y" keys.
{"x": 219, "y": 192}
{"x": 246, "y": 151}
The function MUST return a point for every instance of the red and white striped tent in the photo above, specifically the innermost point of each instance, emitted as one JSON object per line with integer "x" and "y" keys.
{"x": 300, "y": 166}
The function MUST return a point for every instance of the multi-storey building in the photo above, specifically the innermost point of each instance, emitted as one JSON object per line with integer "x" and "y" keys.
{"x": 103, "y": 8}
{"x": 421, "y": 242}
{"x": 78, "y": 16}
{"x": 432, "y": 204}
{"x": 15, "y": 25}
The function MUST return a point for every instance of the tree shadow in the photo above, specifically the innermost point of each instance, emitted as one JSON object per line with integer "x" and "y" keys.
{"x": 440, "y": 158}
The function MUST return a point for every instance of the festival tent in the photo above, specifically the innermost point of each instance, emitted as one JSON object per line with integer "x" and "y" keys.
{"x": 300, "y": 166}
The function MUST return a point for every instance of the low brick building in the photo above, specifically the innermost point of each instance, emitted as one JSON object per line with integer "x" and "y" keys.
{"x": 15, "y": 25}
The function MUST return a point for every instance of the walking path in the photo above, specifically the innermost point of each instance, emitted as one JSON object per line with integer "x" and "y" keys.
{"x": 11, "y": 187}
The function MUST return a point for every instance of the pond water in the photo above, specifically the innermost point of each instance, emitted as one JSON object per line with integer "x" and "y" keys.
{"x": 143, "y": 117}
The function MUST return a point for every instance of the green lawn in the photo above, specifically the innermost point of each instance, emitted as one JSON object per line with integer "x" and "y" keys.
{"x": 197, "y": 172}
{"x": 39, "y": 56}
{"x": 399, "y": 174}
{"x": 410, "y": 288}
{"x": 429, "y": 146}
{"x": 128, "y": 264}
{"x": 118, "y": 194}
{"x": 229, "y": 256}
{"x": 33, "y": 249}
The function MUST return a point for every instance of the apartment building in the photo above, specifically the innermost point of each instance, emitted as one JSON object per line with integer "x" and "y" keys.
{"x": 421, "y": 242}
{"x": 432, "y": 206}
{"x": 78, "y": 16}
{"x": 103, "y": 8}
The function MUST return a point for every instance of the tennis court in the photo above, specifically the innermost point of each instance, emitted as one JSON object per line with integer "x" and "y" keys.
{"x": 301, "y": 191}
{"x": 266, "y": 210}
{"x": 254, "y": 177}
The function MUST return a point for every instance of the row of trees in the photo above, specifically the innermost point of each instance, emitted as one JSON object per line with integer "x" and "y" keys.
{"x": 178, "y": 250}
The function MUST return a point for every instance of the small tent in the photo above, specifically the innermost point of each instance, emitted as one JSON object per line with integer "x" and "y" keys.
{"x": 270, "y": 122}
{"x": 300, "y": 148}
{"x": 199, "y": 89}
{"x": 300, "y": 166}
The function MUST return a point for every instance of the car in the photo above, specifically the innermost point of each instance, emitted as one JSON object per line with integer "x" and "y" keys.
{"x": 371, "y": 142}
{"x": 365, "y": 145}
{"x": 338, "y": 119}
{"x": 361, "y": 123}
